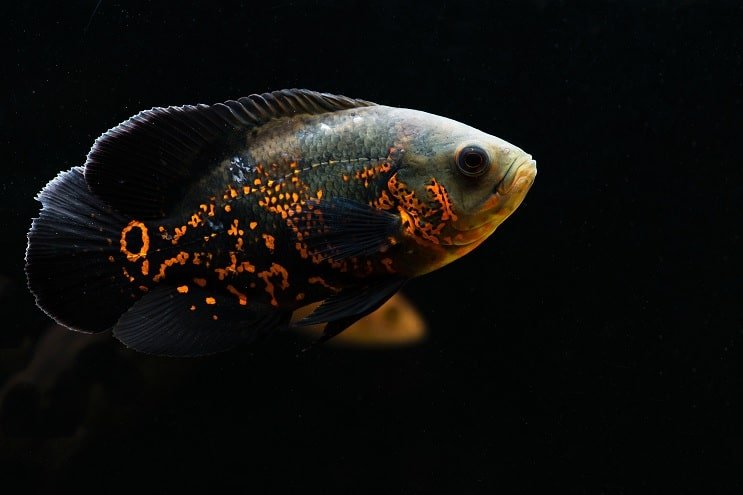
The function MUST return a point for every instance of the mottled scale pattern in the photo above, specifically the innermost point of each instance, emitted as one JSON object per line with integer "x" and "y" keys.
{"x": 236, "y": 232}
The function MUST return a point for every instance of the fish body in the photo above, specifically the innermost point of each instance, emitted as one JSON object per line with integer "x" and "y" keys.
{"x": 190, "y": 230}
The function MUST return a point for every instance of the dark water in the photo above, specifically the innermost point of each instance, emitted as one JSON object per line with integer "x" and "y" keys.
{"x": 592, "y": 345}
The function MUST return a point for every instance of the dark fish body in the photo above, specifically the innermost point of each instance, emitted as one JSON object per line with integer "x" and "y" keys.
{"x": 193, "y": 229}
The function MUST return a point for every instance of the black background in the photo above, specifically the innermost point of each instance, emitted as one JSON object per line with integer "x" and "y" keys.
{"x": 592, "y": 345}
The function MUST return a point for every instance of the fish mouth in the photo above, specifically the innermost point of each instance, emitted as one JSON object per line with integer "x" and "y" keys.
{"x": 507, "y": 195}
{"x": 525, "y": 169}
{"x": 510, "y": 171}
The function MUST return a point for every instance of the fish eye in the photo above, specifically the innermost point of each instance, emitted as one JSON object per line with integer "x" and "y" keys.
{"x": 472, "y": 161}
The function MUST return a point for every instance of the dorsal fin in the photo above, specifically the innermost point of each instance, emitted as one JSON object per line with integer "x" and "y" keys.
{"x": 140, "y": 166}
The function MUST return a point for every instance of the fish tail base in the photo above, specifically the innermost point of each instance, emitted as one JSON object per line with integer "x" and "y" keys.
{"x": 73, "y": 257}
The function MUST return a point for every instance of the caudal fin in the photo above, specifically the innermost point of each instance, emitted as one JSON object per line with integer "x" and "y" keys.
{"x": 68, "y": 257}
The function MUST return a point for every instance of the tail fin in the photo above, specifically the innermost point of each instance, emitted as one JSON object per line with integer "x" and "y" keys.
{"x": 68, "y": 257}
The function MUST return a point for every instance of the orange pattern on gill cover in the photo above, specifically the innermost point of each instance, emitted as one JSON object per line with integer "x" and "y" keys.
{"x": 422, "y": 220}
{"x": 384, "y": 202}
{"x": 441, "y": 197}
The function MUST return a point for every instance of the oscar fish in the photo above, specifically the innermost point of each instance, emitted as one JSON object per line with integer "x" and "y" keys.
{"x": 191, "y": 230}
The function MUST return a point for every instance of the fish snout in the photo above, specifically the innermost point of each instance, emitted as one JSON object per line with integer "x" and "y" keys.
{"x": 520, "y": 174}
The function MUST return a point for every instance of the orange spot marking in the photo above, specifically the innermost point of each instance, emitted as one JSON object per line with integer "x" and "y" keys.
{"x": 179, "y": 259}
{"x": 441, "y": 196}
{"x": 215, "y": 317}
{"x": 246, "y": 190}
{"x": 227, "y": 208}
{"x": 201, "y": 282}
{"x": 270, "y": 241}
{"x": 407, "y": 221}
{"x": 421, "y": 221}
{"x": 384, "y": 202}
{"x": 266, "y": 275}
{"x": 126, "y": 274}
{"x": 193, "y": 308}
{"x": 242, "y": 298}
{"x": 196, "y": 259}
{"x": 145, "y": 267}
{"x": 183, "y": 289}
{"x": 321, "y": 281}
{"x": 239, "y": 244}
{"x": 387, "y": 262}
{"x": 253, "y": 225}
{"x": 211, "y": 210}
{"x": 300, "y": 296}
{"x": 210, "y": 300}
{"x": 257, "y": 182}
{"x": 111, "y": 259}
{"x": 302, "y": 248}
{"x": 233, "y": 192}
{"x": 145, "y": 240}
{"x": 233, "y": 229}
{"x": 195, "y": 220}
{"x": 246, "y": 266}
{"x": 179, "y": 232}
{"x": 144, "y": 288}
{"x": 319, "y": 194}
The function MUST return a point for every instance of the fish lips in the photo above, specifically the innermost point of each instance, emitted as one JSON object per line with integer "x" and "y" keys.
{"x": 507, "y": 195}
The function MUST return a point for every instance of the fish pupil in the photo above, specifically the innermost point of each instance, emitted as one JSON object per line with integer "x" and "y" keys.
{"x": 472, "y": 161}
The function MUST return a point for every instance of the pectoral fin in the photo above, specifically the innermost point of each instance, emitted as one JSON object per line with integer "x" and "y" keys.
{"x": 341, "y": 228}
{"x": 351, "y": 304}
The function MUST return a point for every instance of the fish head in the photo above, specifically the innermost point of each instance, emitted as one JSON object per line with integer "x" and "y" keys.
{"x": 462, "y": 183}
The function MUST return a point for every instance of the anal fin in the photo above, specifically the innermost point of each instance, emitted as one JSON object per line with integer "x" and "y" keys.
{"x": 168, "y": 323}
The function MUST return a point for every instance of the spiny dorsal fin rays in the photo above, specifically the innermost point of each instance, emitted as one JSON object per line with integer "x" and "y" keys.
{"x": 142, "y": 165}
